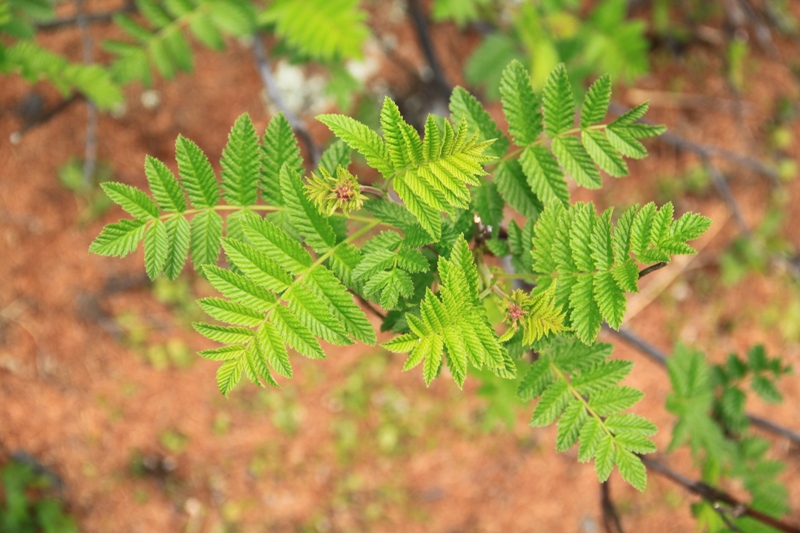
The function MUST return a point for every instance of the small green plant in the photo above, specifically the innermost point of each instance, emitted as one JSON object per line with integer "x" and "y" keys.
{"x": 27, "y": 505}
{"x": 602, "y": 39}
{"x": 709, "y": 402}
{"x": 435, "y": 192}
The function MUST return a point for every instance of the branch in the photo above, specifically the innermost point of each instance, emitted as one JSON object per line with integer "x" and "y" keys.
{"x": 611, "y": 521}
{"x": 299, "y": 127}
{"x": 716, "y": 496}
{"x": 652, "y": 268}
{"x": 423, "y": 35}
{"x": 366, "y": 303}
{"x": 91, "y": 18}
{"x": 705, "y": 151}
{"x": 90, "y": 150}
{"x": 727, "y": 196}
{"x": 44, "y": 118}
{"x": 659, "y": 357}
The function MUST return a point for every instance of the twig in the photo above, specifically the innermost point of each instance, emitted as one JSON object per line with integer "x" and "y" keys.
{"x": 366, "y": 303}
{"x": 763, "y": 34}
{"x": 611, "y": 521}
{"x": 660, "y": 357}
{"x": 652, "y": 268}
{"x": 707, "y": 151}
{"x": 90, "y": 151}
{"x": 721, "y": 184}
{"x": 423, "y": 35}
{"x": 44, "y": 118}
{"x": 91, "y": 18}
{"x": 275, "y": 96}
{"x": 716, "y": 496}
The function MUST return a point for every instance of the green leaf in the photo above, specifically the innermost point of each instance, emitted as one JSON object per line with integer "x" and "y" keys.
{"x": 279, "y": 148}
{"x": 570, "y": 424}
{"x": 402, "y": 343}
{"x": 119, "y": 239}
{"x": 362, "y": 139}
{"x": 520, "y": 105}
{"x": 231, "y": 312}
{"x": 538, "y": 378}
{"x": 155, "y": 249}
{"x": 558, "y": 102}
{"x": 590, "y": 435}
{"x": 224, "y": 334}
{"x": 576, "y": 162}
{"x": 315, "y": 315}
{"x": 766, "y": 389}
{"x": 202, "y": 27}
{"x": 512, "y": 185}
{"x": 240, "y": 163}
{"x": 632, "y": 469}
{"x": 586, "y": 317}
{"x": 295, "y": 333}
{"x": 271, "y": 343}
{"x": 131, "y": 199}
{"x": 610, "y": 299}
{"x": 323, "y": 29}
{"x": 464, "y": 105}
{"x": 543, "y": 174}
{"x": 601, "y": 377}
{"x": 177, "y": 245}
{"x": 629, "y": 423}
{"x": 327, "y": 288}
{"x": 488, "y": 203}
{"x": 164, "y": 186}
{"x": 433, "y": 357}
{"x": 304, "y": 216}
{"x": 238, "y": 288}
{"x": 552, "y": 403}
{"x": 603, "y": 153}
{"x": 196, "y": 174}
{"x": 429, "y": 218}
{"x": 205, "y": 236}
{"x": 605, "y": 457}
{"x": 257, "y": 265}
{"x": 274, "y": 242}
{"x": 223, "y": 353}
{"x": 336, "y": 155}
{"x": 614, "y": 400}
{"x": 596, "y": 102}
{"x": 229, "y": 374}
{"x": 625, "y": 143}
{"x": 632, "y": 115}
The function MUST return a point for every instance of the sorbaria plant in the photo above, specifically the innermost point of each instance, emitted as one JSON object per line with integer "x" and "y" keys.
{"x": 420, "y": 243}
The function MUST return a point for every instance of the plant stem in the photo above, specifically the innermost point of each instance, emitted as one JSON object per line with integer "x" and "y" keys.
{"x": 611, "y": 521}
{"x": 715, "y": 496}
{"x": 652, "y": 268}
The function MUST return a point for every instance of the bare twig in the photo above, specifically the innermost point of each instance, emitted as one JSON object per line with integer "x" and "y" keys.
{"x": 44, "y": 118}
{"x": 366, "y": 303}
{"x": 716, "y": 496}
{"x": 423, "y": 35}
{"x": 89, "y": 18}
{"x": 265, "y": 71}
{"x": 652, "y": 268}
{"x": 660, "y": 357}
{"x": 721, "y": 184}
{"x": 90, "y": 151}
{"x": 708, "y": 151}
{"x": 611, "y": 521}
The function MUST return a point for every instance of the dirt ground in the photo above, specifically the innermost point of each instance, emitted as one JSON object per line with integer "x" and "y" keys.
{"x": 96, "y": 384}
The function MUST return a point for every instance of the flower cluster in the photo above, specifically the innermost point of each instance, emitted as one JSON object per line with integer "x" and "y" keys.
{"x": 330, "y": 193}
